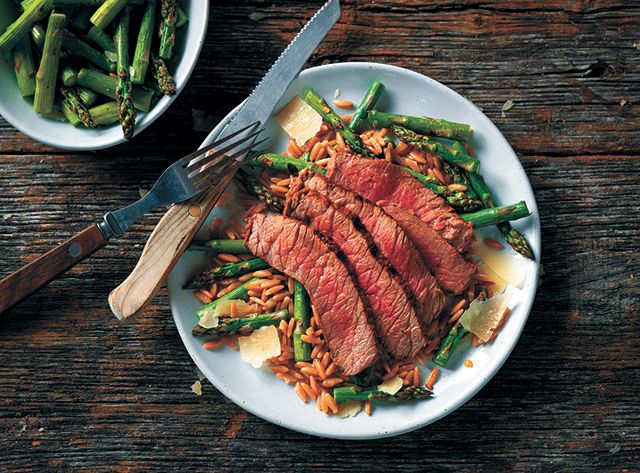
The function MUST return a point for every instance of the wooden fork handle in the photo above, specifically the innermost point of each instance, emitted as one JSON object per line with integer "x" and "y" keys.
{"x": 24, "y": 282}
{"x": 166, "y": 244}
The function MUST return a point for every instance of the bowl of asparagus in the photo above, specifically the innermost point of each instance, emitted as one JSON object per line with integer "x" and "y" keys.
{"x": 90, "y": 74}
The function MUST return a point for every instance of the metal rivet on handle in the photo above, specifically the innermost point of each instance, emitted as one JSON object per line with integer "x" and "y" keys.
{"x": 75, "y": 249}
{"x": 194, "y": 210}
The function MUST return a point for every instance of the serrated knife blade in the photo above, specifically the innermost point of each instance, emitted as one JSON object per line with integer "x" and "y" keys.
{"x": 178, "y": 226}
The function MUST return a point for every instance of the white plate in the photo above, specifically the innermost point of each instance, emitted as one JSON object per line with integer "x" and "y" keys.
{"x": 19, "y": 112}
{"x": 259, "y": 391}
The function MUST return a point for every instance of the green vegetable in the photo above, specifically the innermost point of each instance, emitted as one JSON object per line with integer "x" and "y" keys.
{"x": 75, "y": 105}
{"x": 24, "y": 67}
{"x": 105, "y": 114}
{"x": 450, "y": 155}
{"x": 38, "y": 10}
{"x": 263, "y": 193}
{"x": 106, "y": 85}
{"x": 68, "y": 113}
{"x": 494, "y": 216}
{"x": 368, "y": 102}
{"x": 81, "y": 18}
{"x": 352, "y": 139}
{"x": 161, "y": 74}
{"x": 78, "y": 48}
{"x": 302, "y": 315}
{"x": 168, "y": 28}
{"x": 143, "y": 44}
{"x": 48, "y": 70}
{"x": 107, "y": 12}
{"x": 282, "y": 163}
{"x": 102, "y": 39}
{"x": 228, "y": 270}
{"x": 88, "y": 97}
{"x": 235, "y": 247}
{"x": 357, "y": 393}
{"x": 123, "y": 86}
{"x": 244, "y": 326}
{"x": 239, "y": 293}
{"x": 181, "y": 17}
{"x": 421, "y": 125}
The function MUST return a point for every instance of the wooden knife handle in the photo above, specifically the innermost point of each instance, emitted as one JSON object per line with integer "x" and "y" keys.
{"x": 168, "y": 241}
{"x": 24, "y": 282}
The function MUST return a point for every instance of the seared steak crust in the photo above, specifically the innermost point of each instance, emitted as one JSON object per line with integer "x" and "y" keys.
{"x": 296, "y": 250}
{"x": 377, "y": 179}
{"x": 397, "y": 323}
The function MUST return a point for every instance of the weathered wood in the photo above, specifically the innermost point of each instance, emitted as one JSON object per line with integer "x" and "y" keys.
{"x": 81, "y": 391}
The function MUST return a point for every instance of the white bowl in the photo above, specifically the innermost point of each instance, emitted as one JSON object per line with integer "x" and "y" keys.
{"x": 259, "y": 391}
{"x": 19, "y": 112}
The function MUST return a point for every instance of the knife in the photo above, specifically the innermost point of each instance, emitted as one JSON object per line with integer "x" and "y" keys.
{"x": 175, "y": 230}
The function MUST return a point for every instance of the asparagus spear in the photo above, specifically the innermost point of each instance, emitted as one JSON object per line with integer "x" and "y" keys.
{"x": 459, "y": 200}
{"x": 107, "y": 12}
{"x": 143, "y": 44}
{"x": 161, "y": 74}
{"x": 357, "y": 393}
{"x": 274, "y": 202}
{"x": 67, "y": 74}
{"x": 457, "y": 174}
{"x": 48, "y": 70}
{"x": 282, "y": 163}
{"x": 106, "y": 85}
{"x": 181, "y": 17}
{"x": 242, "y": 326}
{"x": 73, "y": 103}
{"x": 320, "y": 106}
{"x": 79, "y": 3}
{"x": 82, "y": 50}
{"x": 302, "y": 314}
{"x": 450, "y": 155}
{"x": 105, "y": 114}
{"x": 21, "y": 27}
{"x": 421, "y": 125}
{"x": 168, "y": 28}
{"x": 235, "y": 247}
{"x": 123, "y": 88}
{"x": 103, "y": 40}
{"x": 67, "y": 112}
{"x": 88, "y": 97}
{"x": 239, "y": 293}
{"x": 80, "y": 18}
{"x": 453, "y": 339}
{"x": 24, "y": 67}
{"x": 226, "y": 271}
{"x": 368, "y": 102}
{"x": 497, "y": 215}
{"x": 514, "y": 238}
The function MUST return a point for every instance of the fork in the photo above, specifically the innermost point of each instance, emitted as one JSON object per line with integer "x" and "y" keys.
{"x": 182, "y": 180}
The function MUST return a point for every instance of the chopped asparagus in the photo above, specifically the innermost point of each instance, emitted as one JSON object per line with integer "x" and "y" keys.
{"x": 88, "y": 97}
{"x": 302, "y": 314}
{"x": 24, "y": 67}
{"x": 357, "y": 393}
{"x": 181, "y": 17}
{"x": 421, "y": 125}
{"x": 75, "y": 105}
{"x": 78, "y": 48}
{"x": 143, "y": 44}
{"x": 161, "y": 74}
{"x": 48, "y": 70}
{"x": 368, "y": 102}
{"x": 106, "y": 85}
{"x": 105, "y": 114}
{"x": 102, "y": 39}
{"x": 21, "y": 27}
{"x": 167, "y": 28}
{"x": 243, "y": 326}
{"x": 228, "y": 270}
{"x": 107, "y": 12}
{"x": 235, "y": 247}
{"x": 497, "y": 215}
{"x": 123, "y": 86}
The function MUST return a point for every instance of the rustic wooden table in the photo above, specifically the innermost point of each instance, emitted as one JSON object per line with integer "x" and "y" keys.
{"x": 80, "y": 391}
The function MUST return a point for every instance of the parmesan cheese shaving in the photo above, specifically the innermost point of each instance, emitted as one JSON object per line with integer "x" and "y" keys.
{"x": 299, "y": 120}
{"x": 349, "y": 409}
{"x": 209, "y": 319}
{"x": 483, "y": 316}
{"x": 260, "y": 346}
{"x": 507, "y": 266}
{"x": 391, "y": 386}
{"x": 197, "y": 388}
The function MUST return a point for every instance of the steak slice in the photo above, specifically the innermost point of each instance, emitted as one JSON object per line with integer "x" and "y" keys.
{"x": 377, "y": 179}
{"x": 389, "y": 238}
{"x": 396, "y": 320}
{"x": 296, "y": 250}
{"x": 451, "y": 270}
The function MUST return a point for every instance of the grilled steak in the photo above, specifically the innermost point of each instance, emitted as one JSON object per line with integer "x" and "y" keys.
{"x": 296, "y": 250}
{"x": 396, "y": 321}
{"x": 377, "y": 179}
{"x": 452, "y": 272}
{"x": 389, "y": 238}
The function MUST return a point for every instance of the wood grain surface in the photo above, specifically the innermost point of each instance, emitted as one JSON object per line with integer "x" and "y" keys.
{"x": 81, "y": 391}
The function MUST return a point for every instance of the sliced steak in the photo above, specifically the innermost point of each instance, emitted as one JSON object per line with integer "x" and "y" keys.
{"x": 451, "y": 270}
{"x": 377, "y": 179}
{"x": 296, "y": 250}
{"x": 389, "y": 238}
{"x": 397, "y": 323}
